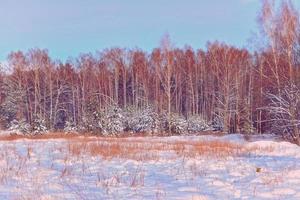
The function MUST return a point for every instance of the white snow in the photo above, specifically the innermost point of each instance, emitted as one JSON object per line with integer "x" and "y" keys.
{"x": 45, "y": 169}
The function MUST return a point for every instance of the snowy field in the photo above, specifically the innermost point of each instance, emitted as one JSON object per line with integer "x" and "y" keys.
{"x": 178, "y": 167}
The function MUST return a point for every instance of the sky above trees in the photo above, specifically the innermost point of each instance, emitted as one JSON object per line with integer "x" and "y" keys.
{"x": 69, "y": 27}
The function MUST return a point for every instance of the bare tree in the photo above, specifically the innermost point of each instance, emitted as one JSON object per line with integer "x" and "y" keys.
{"x": 284, "y": 112}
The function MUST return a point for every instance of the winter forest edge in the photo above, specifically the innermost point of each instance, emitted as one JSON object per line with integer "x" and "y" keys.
{"x": 167, "y": 91}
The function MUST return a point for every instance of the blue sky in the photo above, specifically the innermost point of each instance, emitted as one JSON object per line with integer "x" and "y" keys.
{"x": 68, "y": 27}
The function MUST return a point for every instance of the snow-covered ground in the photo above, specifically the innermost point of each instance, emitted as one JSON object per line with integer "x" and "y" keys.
{"x": 179, "y": 167}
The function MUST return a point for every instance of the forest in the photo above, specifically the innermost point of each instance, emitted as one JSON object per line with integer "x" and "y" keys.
{"x": 169, "y": 90}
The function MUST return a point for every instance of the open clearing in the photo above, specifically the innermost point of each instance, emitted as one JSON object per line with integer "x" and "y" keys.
{"x": 177, "y": 167}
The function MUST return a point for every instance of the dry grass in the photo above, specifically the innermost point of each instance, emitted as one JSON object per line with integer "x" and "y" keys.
{"x": 140, "y": 149}
{"x": 113, "y": 148}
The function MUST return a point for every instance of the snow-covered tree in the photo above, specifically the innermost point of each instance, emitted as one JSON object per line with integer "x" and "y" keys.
{"x": 88, "y": 124}
{"x": 284, "y": 112}
{"x": 175, "y": 123}
{"x": 217, "y": 123}
{"x": 12, "y": 107}
{"x": 114, "y": 121}
{"x": 70, "y": 127}
{"x": 110, "y": 121}
{"x": 39, "y": 126}
{"x": 19, "y": 127}
{"x": 142, "y": 120}
{"x": 196, "y": 124}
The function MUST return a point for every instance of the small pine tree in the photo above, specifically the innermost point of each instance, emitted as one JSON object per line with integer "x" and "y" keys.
{"x": 39, "y": 126}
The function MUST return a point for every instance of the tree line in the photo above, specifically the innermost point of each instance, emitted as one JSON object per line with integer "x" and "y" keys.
{"x": 237, "y": 89}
